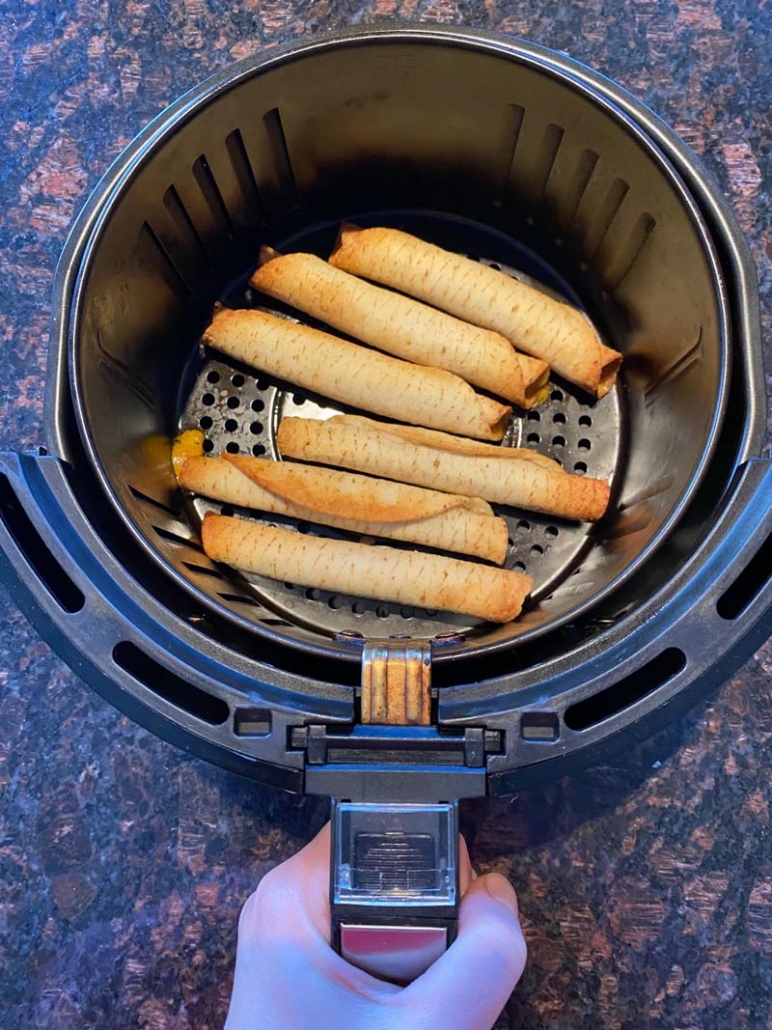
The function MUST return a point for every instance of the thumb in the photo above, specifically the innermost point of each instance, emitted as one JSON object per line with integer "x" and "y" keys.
{"x": 469, "y": 985}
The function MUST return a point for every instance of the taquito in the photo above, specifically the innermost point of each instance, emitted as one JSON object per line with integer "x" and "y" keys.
{"x": 371, "y": 447}
{"x": 386, "y": 573}
{"x": 356, "y": 375}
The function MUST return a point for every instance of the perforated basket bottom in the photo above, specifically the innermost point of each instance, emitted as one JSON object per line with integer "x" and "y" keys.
{"x": 239, "y": 412}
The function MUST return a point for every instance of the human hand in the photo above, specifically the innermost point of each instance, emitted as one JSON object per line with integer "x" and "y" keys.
{"x": 289, "y": 978}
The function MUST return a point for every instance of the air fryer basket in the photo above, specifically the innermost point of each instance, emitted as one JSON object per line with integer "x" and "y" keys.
{"x": 487, "y": 156}
{"x": 517, "y": 156}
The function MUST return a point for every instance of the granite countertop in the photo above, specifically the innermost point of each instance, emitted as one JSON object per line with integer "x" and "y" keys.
{"x": 645, "y": 884}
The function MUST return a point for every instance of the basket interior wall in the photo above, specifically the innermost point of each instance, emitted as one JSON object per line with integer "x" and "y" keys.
{"x": 394, "y": 127}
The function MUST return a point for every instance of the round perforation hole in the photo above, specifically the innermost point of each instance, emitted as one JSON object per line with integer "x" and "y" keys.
{"x": 537, "y": 550}
{"x": 556, "y": 395}
{"x": 232, "y": 447}
{"x": 551, "y": 531}
{"x": 558, "y": 441}
{"x": 258, "y": 405}
{"x": 584, "y": 445}
{"x": 258, "y": 450}
{"x": 580, "y": 467}
{"x": 207, "y": 400}
{"x": 524, "y": 526}
{"x": 533, "y": 416}
{"x": 585, "y": 420}
{"x": 533, "y": 438}
{"x": 208, "y": 446}
{"x": 231, "y": 425}
{"x": 312, "y": 594}
{"x": 238, "y": 379}
{"x": 233, "y": 402}
{"x": 205, "y": 422}
{"x": 213, "y": 377}
{"x": 559, "y": 418}
{"x": 335, "y": 602}
{"x": 256, "y": 428}
{"x": 519, "y": 566}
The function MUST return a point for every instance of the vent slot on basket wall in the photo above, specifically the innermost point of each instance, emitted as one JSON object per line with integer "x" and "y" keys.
{"x": 68, "y": 596}
{"x": 739, "y": 594}
{"x": 155, "y": 503}
{"x": 577, "y": 186}
{"x": 627, "y": 691}
{"x": 168, "y": 685}
{"x": 188, "y": 235}
{"x": 244, "y": 173}
{"x": 210, "y": 191}
{"x": 281, "y": 158}
{"x": 153, "y": 251}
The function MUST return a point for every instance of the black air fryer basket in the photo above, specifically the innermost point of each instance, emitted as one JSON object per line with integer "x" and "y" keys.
{"x": 518, "y": 157}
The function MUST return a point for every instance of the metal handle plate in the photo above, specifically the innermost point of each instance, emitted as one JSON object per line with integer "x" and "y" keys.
{"x": 396, "y": 953}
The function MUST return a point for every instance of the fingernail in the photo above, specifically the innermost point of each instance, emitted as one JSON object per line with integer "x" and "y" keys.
{"x": 501, "y": 890}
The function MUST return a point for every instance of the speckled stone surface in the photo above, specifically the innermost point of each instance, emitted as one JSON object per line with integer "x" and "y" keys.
{"x": 645, "y": 885}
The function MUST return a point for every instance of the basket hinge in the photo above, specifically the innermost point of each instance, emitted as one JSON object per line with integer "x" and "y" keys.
{"x": 396, "y": 682}
{"x": 396, "y": 686}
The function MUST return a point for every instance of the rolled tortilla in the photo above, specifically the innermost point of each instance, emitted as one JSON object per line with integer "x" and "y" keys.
{"x": 402, "y": 326}
{"x": 358, "y": 504}
{"x": 373, "y": 448}
{"x": 454, "y": 444}
{"x": 531, "y": 320}
{"x": 355, "y": 375}
{"x": 385, "y": 573}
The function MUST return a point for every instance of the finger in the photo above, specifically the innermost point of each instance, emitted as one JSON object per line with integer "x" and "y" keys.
{"x": 465, "y": 868}
{"x": 309, "y": 869}
{"x": 292, "y": 900}
{"x": 469, "y": 985}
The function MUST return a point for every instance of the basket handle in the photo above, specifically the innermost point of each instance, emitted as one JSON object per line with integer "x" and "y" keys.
{"x": 394, "y": 885}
